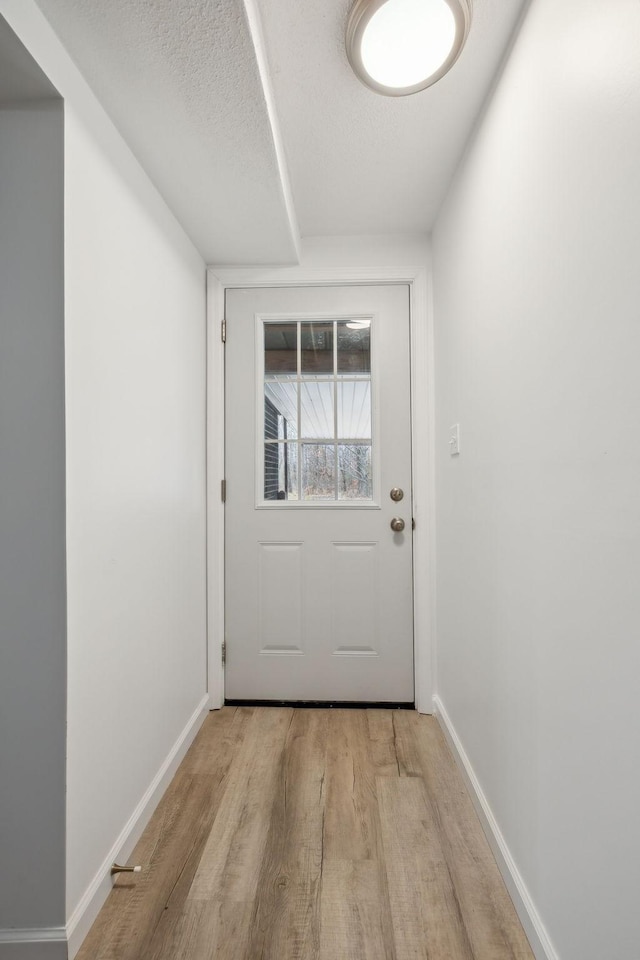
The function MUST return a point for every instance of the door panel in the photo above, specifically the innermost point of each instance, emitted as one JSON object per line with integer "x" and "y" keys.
{"x": 318, "y": 586}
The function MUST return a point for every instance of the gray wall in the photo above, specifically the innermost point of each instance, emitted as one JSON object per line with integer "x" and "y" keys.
{"x": 32, "y": 517}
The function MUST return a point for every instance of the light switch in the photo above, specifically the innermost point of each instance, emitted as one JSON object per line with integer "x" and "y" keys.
{"x": 454, "y": 440}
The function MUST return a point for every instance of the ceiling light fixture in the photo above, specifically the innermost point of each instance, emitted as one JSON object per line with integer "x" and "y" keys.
{"x": 398, "y": 47}
{"x": 358, "y": 324}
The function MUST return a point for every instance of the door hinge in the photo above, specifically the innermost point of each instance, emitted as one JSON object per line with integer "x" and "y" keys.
{"x": 224, "y": 652}
{"x": 223, "y": 491}
{"x": 223, "y": 331}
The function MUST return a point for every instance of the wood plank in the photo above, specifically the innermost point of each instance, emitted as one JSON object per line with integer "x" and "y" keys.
{"x": 202, "y": 930}
{"x": 230, "y": 863}
{"x": 352, "y": 833}
{"x": 351, "y": 819}
{"x": 286, "y": 923}
{"x": 380, "y": 724}
{"x": 492, "y": 925}
{"x": 382, "y": 745}
{"x": 352, "y": 924}
{"x": 427, "y": 924}
{"x": 409, "y": 761}
{"x": 222, "y": 733}
{"x": 216, "y": 752}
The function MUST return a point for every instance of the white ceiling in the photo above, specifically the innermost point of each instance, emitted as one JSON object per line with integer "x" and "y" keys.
{"x": 361, "y": 163}
{"x": 223, "y": 112}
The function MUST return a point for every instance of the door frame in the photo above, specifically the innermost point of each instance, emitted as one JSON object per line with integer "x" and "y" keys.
{"x": 221, "y": 279}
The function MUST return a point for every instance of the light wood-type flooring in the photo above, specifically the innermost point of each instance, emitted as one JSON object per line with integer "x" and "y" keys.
{"x": 312, "y": 834}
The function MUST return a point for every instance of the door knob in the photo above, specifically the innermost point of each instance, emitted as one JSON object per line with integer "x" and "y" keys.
{"x": 397, "y": 524}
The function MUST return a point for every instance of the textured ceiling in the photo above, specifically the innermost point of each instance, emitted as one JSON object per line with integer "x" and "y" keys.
{"x": 181, "y": 81}
{"x": 189, "y": 83}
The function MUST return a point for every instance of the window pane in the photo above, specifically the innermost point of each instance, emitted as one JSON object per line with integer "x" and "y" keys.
{"x": 317, "y": 416}
{"x": 280, "y": 409}
{"x": 354, "y": 471}
{"x": 318, "y": 471}
{"x": 281, "y": 471}
{"x": 354, "y": 346}
{"x": 316, "y": 410}
{"x": 316, "y": 345}
{"x": 281, "y": 348}
{"x": 354, "y": 410}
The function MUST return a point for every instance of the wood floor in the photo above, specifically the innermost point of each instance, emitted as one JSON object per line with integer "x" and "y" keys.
{"x": 312, "y": 835}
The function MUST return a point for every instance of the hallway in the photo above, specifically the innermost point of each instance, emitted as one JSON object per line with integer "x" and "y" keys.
{"x": 330, "y": 834}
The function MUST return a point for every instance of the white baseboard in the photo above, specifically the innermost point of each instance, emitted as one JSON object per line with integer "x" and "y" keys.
{"x": 43, "y": 944}
{"x": 100, "y": 887}
{"x": 525, "y": 907}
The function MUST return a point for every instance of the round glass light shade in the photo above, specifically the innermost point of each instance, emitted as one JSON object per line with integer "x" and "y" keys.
{"x": 398, "y": 47}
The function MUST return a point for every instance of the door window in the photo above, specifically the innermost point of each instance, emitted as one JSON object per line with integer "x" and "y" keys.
{"x": 317, "y": 411}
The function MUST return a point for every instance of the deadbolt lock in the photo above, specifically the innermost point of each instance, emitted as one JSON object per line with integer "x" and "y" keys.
{"x": 396, "y": 494}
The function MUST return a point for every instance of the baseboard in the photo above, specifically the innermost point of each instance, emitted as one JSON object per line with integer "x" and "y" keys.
{"x": 38, "y": 944}
{"x": 529, "y": 917}
{"x": 100, "y": 887}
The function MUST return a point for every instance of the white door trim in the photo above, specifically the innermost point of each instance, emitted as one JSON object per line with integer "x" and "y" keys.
{"x": 220, "y": 279}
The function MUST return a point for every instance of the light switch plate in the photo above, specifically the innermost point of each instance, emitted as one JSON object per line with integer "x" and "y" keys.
{"x": 454, "y": 440}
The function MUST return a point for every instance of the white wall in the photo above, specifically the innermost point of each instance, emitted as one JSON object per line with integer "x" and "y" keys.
{"x": 135, "y": 334}
{"x": 537, "y": 326}
{"x": 135, "y": 421}
{"x": 32, "y": 517}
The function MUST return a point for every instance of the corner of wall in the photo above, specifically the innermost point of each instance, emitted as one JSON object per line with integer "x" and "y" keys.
{"x": 529, "y": 917}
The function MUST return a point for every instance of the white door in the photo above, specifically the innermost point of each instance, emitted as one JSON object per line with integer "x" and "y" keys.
{"x": 318, "y": 435}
